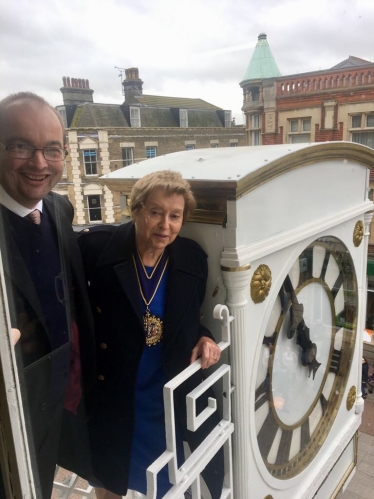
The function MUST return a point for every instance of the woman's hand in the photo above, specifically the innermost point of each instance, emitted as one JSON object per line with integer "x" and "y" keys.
{"x": 208, "y": 350}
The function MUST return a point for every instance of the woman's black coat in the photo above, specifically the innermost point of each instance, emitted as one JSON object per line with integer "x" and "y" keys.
{"x": 116, "y": 303}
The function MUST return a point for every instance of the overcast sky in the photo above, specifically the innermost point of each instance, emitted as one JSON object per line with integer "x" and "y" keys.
{"x": 183, "y": 48}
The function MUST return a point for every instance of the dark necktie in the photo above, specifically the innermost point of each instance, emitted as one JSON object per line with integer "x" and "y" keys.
{"x": 34, "y": 217}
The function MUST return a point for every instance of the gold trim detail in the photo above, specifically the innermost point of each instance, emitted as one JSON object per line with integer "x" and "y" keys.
{"x": 351, "y": 398}
{"x": 358, "y": 233}
{"x": 260, "y": 283}
{"x": 236, "y": 269}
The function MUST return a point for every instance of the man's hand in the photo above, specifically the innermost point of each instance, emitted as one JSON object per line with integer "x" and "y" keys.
{"x": 16, "y": 334}
{"x": 208, "y": 350}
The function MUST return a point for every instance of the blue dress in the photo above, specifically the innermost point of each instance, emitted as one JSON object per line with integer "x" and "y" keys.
{"x": 149, "y": 440}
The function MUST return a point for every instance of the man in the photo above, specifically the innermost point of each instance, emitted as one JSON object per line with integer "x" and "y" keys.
{"x": 45, "y": 287}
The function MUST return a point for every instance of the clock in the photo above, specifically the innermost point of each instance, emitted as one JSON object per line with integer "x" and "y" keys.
{"x": 306, "y": 353}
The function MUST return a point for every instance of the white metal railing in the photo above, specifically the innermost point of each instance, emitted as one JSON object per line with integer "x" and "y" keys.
{"x": 187, "y": 476}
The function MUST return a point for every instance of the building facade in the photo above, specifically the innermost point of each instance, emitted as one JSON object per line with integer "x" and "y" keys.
{"x": 105, "y": 137}
{"x": 328, "y": 105}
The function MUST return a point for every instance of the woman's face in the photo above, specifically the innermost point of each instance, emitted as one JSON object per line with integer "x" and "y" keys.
{"x": 159, "y": 221}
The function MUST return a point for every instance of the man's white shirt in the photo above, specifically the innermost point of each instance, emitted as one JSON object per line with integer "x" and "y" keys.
{"x": 15, "y": 207}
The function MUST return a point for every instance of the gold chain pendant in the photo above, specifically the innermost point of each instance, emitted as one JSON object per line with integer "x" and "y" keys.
{"x": 153, "y": 328}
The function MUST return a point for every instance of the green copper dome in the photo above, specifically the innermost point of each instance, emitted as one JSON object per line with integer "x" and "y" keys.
{"x": 262, "y": 64}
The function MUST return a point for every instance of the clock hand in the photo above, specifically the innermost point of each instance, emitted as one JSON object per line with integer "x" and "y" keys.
{"x": 297, "y": 324}
{"x": 287, "y": 294}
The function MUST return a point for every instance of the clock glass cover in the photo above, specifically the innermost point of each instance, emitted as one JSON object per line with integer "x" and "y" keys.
{"x": 305, "y": 358}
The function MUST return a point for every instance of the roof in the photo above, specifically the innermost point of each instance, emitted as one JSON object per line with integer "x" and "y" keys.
{"x": 352, "y": 62}
{"x": 232, "y": 172}
{"x": 262, "y": 64}
{"x": 98, "y": 115}
{"x": 177, "y": 102}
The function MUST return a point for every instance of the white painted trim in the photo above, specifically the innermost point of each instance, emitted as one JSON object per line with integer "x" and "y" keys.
{"x": 241, "y": 256}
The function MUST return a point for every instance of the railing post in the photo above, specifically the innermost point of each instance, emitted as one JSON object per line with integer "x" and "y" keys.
{"x": 237, "y": 287}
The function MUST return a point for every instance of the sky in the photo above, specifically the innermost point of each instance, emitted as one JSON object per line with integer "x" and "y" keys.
{"x": 183, "y": 48}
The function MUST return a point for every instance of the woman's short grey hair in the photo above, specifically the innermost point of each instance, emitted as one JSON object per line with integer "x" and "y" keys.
{"x": 165, "y": 180}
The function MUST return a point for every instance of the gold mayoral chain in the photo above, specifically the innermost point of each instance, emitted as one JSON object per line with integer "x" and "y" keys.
{"x": 153, "y": 325}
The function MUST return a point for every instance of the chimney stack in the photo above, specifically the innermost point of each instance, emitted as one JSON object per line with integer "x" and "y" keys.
{"x": 76, "y": 91}
{"x": 132, "y": 85}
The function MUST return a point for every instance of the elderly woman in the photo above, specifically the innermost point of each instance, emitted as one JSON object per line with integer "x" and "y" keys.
{"x": 146, "y": 287}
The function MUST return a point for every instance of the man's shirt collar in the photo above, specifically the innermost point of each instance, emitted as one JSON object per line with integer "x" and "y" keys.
{"x": 14, "y": 206}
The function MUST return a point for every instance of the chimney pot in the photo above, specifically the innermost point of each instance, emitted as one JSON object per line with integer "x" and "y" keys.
{"x": 76, "y": 91}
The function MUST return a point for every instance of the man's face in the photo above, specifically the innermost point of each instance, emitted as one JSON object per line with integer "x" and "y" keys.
{"x": 32, "y": 123}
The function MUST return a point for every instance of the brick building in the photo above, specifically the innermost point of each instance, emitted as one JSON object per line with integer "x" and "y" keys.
{"x": 332, "y": 104}
{"x": 104, "y": 137}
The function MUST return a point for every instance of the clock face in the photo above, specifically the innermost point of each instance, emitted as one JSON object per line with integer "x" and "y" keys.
{"x": 305, "y": 357}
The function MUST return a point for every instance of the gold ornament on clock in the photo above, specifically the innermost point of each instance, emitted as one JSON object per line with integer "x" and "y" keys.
{"x": 358, "y": 233}
{"x": 260, "y": 283}
{"x": 351, "y": 398}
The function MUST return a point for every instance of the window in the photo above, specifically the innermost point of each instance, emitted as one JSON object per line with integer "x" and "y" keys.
{"x": 294, "y": 125}
{"x": 94, "y": 208}
{"x": 255, "y": 94}
{"x": 127, "y": 156}
{"x": 297, "y": 129}
{"x": 255, "y": 121}
{"x": 356, "y": 121}
{"x": 306, "y": 125}
{"x": 190, "y": 147}
{"x": 150, "y": 151}
{"x": 233, "y": 144}
{"x": 255, "y": 138}
{"x": 255, "y": 130}
{"x": 370, "y": 120}
{"x": 90, "y": 161}
{"x": 364, "y": 138}
{"x": 135, "y": 117}
{"x": 183, "y": 118}
{"x": 227, "y": 119}
{"x": 214, "y": 144}
{"x": 361, "y": 135}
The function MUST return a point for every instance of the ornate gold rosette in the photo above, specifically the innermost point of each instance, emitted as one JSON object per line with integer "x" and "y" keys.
{"x": 358, "y": 233}
{"x": 260, "y": 283}
{"x": 351, "y": 398}
{"x": 153, "y": 328}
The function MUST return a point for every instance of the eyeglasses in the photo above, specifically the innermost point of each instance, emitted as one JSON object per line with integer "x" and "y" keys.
{"x": 24, "y": 151}
{"x": 157, "y": 215}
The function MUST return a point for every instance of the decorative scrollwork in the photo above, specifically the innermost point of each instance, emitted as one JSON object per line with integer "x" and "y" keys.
{"x": 351, "y": 398}
{"x": 358, "y": 233}
{"x": 260, "y": 283}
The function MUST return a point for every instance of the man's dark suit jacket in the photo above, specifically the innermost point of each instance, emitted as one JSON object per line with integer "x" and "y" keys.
{"x": 42, "y": 390}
